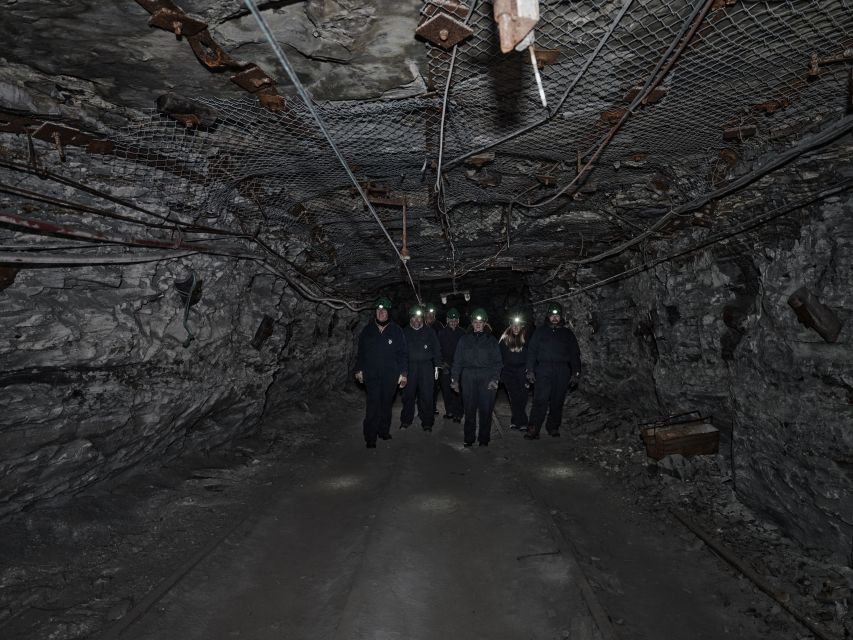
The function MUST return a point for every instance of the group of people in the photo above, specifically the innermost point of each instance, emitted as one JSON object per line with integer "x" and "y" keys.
{"x": 466, "y": 365}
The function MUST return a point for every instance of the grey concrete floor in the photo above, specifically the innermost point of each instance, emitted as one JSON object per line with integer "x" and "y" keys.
{"x": 423, "y": 539}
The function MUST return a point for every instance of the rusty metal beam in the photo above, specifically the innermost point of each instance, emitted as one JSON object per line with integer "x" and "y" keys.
{"x": 63, "y": 260}
{"x": 248, "y": 76}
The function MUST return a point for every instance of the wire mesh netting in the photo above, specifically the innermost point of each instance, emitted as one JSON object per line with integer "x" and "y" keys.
{"x": 739, "y": 85}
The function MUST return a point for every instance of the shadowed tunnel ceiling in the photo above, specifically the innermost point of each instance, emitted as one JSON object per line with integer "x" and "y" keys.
{"x": 654, "y": 110}
{"x": 186, "y": 264}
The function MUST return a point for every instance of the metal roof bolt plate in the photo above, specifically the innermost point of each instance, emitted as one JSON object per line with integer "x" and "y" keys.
{"x": 444, "y": 31}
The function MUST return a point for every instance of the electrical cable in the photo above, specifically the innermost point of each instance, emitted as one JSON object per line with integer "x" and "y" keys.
{"x": 439, "y": 187}
{"x": 676, "y": 48}
{"x": 757, "y": 221}
{"x": 173, "y": 222}
{"x": 303, "y": 93}
{"x": 840, "y": 128}
{"x": 581, "y": 72}
{"x": 59, "y": 260}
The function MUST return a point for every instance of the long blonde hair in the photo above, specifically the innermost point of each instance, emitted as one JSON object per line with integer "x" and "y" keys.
{"x": 514, "y": 343}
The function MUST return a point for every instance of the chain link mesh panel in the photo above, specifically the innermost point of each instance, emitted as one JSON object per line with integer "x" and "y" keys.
{"x": 740, "y": 91}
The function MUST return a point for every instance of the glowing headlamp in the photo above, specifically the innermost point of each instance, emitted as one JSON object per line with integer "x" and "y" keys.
{"x": 381, "y": 306}
{"x": 555, "y": 312}
{"x": 516, "y": 320}
{"x": 479, "y": 318}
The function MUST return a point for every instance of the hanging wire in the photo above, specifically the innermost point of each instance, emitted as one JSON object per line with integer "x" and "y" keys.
{"x": 556, "y": 109}
{"x": 309, "y": 103}
{"x": 438, "y": 190}
{"x": 754, "y": 223}
{"x": 838, "y": 129}
{"x": 664, "y": 65}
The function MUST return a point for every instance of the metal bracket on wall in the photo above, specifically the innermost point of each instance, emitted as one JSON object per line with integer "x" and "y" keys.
{"x": 813, "y": 314}
{"x": 816, "y": 61}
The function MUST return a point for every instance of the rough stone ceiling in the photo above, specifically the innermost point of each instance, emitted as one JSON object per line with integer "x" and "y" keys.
{"x": 652, "y": 106}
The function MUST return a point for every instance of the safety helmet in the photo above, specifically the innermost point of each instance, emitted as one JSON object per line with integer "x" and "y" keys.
{"x": 382, "y": 303}
{"x": 479, "y": 314}
{"x": 452, "y": 314}
{"x": 416, "y": 310}
{"x": 430, "y": 307}
{"x": 517, "y": 318}
{"x": 555, "y": 308}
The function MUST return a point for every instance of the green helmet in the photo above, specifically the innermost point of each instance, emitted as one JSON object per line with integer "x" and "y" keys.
{"x": 416, "y": 310}
{"x": 382, "y": 303}
{"x": 452, "y": 314}
{"x": 555, "y": 308}
{"x": 480, "y": 314}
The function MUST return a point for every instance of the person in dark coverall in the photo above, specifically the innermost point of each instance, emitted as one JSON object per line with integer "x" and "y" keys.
{"x": 381, "y": 364}
{"x": 424, "y": 362}
{"x": 554, "y": 365}
{"x": 477, "y": 367}
{"x": 513, "y": 345}
{"x": 449, "y": 338}
{"x": 433, "y": 323}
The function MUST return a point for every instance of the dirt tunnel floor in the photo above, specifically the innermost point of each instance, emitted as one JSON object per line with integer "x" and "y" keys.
{"x": 423, "y": 539}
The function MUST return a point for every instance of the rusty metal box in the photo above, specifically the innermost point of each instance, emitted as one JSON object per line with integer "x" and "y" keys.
{"x": 689, "y": 434}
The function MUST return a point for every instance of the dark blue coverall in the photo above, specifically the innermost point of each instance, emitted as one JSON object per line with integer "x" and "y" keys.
{"x": 555, "y": 359}
{"x": 513, "y": 377}
{"x": 424, "y": 356}
{"x": 476, "y": 363}
{"x": 438, "y": 327}
{"x": 449, "y": 338}
{"x": 382, "y": 358}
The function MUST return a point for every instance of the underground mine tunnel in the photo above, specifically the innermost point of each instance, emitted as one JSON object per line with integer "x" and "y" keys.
{"x": 204, "y": 206}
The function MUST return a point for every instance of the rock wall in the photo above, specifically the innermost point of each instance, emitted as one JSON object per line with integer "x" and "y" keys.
{"x": 712, "y": 331}
{"x": 96, "y": 380}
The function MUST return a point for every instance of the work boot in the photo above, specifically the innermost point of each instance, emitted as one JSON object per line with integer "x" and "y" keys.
{"x": 370, "y": 445}
{"x": 429, "y": 428}
{"x": 467, "y": 444}
{"x": 554, "y": 434}
{"x": 403, "y": 425}
{"x": 385, "y": 436}
{"x": 532, "y": 433}
{"x": 484, "y": 444}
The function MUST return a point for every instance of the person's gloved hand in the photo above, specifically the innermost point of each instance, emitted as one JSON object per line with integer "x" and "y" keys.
{"x": 359, "y": 375}
{"x": 402, "y": 381}
{"x": 436, "y": 373}
{"x": 531, "y": 377}
{"x": 493, "y": 385}
{"x": 454, "y": 385}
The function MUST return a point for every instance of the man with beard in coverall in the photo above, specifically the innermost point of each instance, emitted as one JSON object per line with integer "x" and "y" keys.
{"x": 424, "y": 361}
{"x": 449, "y": 338}
{"x": 381, "y": 364}
{"x": 477, "y": 367}
{"x": 554, "y": 365}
